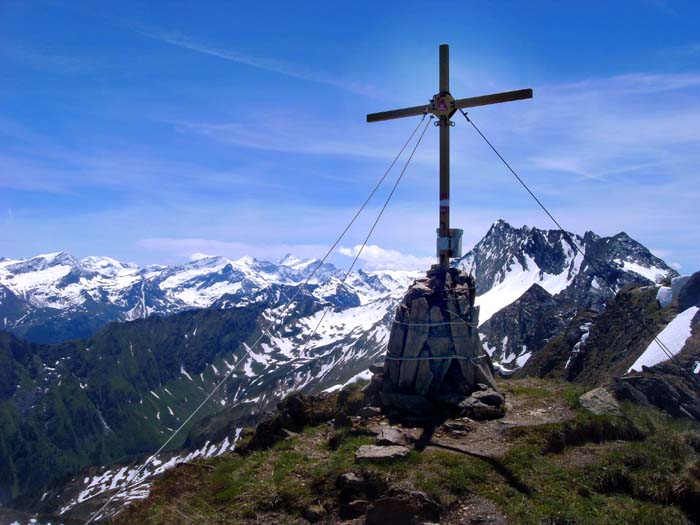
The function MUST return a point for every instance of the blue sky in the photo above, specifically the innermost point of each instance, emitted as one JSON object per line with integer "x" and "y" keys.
{"x": 150, "y": 131}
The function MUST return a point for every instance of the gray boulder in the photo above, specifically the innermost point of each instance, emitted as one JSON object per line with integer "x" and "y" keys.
{"x": 489, "y": 397}
{"x": 353, "y": 487}
{"x": 473, "y": 407}
{"x": 600, "y": 402}
{"x": 389, "y": 436}
{"x": 379, "y": 454}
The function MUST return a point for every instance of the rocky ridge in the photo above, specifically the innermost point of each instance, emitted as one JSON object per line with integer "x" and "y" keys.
{"x": 533, "y": 282}
{"x": 548, "y": 460}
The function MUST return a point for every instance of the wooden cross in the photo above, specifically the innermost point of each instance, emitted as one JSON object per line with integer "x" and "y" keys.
{"x": 443, "y": 106}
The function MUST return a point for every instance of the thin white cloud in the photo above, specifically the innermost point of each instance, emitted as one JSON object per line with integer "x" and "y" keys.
{"x": 618, "y": 128}
{"x": 258, "y": 62}
{"x": 288, "y": 134}
{"x": 378, "y": 258}
{"x": 38, "y": 163}
{"x": 287, "y": 131}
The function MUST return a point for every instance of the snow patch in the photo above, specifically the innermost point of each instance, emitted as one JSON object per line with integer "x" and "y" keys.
{"x": 522, "y": 359}
{"x": 518, "y": 279}
{"x": 653, "y": 273}
{"x": 365, "y": 375}
{"x": 578, "y": 347}
{"x": 673, "y": 337}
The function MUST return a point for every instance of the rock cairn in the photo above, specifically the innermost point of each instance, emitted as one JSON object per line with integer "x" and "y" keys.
{"x": 435, "y": 357}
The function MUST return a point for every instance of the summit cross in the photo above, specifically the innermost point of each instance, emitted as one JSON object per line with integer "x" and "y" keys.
{"x": 443, "y": 105}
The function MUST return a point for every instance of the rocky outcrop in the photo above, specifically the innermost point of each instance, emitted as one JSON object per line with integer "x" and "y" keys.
{"x": 524, "y": 326}
{"x": 597, "y": 347}
{"x": 381, "y": 454}
{"x": 600, "y": 402}
{"x": 689, "y": 294}
{"x": 390, "y": 436}
{"x": 666, "y": 386}
{"x": 561, "y": 284}
{"x": 434, "y": 357}
{"x": 556, "y": 356}
{"x": 294, "y": 412}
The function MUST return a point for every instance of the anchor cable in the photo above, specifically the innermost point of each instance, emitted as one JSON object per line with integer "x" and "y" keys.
{"x": 371, "y": 230}
{"x": 272, "y": 323}
{"x": 658, "y": 341}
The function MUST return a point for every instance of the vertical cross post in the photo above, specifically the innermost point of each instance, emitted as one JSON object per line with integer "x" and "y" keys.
{"x": 444, "y": 123}
{"x": 443, "y": 106}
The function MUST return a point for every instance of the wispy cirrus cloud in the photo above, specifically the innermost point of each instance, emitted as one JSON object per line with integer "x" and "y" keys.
{"x": 286, "y": 134}
{"x": 35, "y": 162}
{"x": 290, "y": 132}
{"x": 611, "y": 128}
{"x": 259, "y": 62}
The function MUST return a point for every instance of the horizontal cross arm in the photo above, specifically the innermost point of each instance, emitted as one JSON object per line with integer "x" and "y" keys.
{"x": 484, "y": 100}
{"x": 397, "y": 113}
{"x": 495, "y": 98}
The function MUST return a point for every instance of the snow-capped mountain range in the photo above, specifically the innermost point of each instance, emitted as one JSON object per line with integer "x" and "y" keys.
{"x": 55, "y": 297}
{"x": 154, "y": 370}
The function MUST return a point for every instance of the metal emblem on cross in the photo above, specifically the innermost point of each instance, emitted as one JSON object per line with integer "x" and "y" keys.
{"x": 443, "y": 105}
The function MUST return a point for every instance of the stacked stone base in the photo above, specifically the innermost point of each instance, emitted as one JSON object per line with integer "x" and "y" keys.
{"x": 435, "y": 361}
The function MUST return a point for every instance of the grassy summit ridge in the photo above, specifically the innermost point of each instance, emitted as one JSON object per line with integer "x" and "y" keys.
{"x": 642, "y": 468}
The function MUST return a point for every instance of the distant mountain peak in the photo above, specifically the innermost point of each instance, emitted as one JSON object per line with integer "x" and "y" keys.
{"x": 51, "y": 256}
{"x": 246, "y": 260}
{"x": 509, "y": 261}
{"x": 198, "y": 256}
{"x": 288, "y": 260}
{"x": 298, "y": 263}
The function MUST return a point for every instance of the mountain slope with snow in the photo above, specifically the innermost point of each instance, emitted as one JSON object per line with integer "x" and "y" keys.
{"x": 54, "y": 297}
{"x": 623, "y": 340}
{"x": 673, "y": 338}
{"x": 531, "y": 283}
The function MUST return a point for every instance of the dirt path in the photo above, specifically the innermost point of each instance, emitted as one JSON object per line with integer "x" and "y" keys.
{"x": 528, "y": 404}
